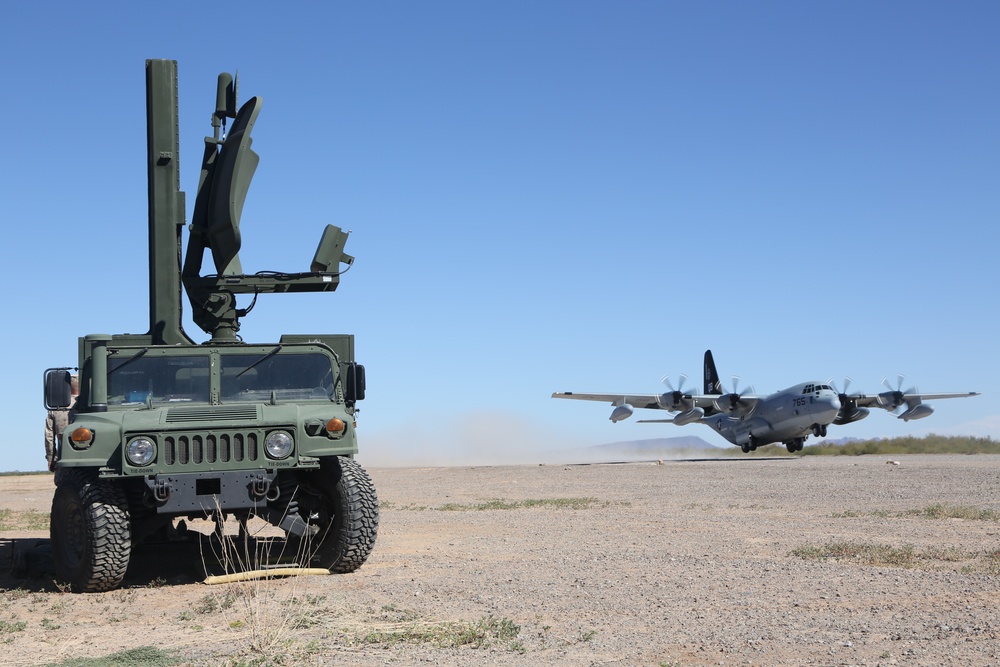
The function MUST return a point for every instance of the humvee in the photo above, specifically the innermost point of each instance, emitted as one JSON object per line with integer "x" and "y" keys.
{"x": 166, "y": 430}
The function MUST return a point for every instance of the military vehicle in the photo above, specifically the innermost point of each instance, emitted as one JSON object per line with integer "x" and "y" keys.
{"x": 166, "y": 430}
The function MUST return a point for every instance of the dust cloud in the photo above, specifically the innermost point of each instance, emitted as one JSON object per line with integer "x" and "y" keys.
{"x": 472, "y": 439}
{"x": 490, "y": 438}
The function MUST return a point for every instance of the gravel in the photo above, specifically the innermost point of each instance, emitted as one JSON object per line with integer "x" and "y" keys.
{"x": 707, "y": 562}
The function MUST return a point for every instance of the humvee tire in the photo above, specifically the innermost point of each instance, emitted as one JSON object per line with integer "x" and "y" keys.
{"x": 341, "y": 502}
{"x": 90, "y": 531}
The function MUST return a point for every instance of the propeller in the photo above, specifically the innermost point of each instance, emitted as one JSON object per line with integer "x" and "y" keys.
{"x": 844, "y": 396}
{"x": 733, "y": 398}
{"x": 895, "y": 397}
{"x": 675, "y": 398}
{"x": 849, "y": 410}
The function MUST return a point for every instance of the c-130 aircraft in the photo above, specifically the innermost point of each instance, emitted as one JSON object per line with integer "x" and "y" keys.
{"x": 749, "y": 420}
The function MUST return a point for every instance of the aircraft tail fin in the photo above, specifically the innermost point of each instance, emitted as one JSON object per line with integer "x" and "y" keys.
{"x": 712, "y": 383}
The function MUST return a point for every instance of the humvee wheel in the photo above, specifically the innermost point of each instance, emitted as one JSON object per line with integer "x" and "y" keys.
{"x": 340, "y": 501}
{"x": 91, "y": 536}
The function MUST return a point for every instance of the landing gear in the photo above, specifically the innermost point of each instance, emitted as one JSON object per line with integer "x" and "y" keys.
{"x": 749, "y": 446}
{"x": 819, "y": 430}
{"x": 795, "y": 445}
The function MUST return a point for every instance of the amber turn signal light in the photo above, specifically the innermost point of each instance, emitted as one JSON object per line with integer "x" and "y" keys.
{"x": 335, "y": 425}
{"x": 82, "y": 436}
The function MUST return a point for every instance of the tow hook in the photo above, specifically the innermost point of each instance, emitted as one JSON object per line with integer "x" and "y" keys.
{"x": 259, "y": 486}
{"x": 161, "y": 491}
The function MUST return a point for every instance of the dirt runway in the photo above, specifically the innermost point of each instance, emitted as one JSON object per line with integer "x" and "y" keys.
{"x": 786, "y": 561}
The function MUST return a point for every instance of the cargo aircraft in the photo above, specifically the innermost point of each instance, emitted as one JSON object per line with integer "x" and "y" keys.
{"x": 749, "y": 420}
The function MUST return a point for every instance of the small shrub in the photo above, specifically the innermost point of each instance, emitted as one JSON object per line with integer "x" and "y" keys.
{"x": 906, "y": 556}
{"x": 487, "y": 631}
{"x": 144, "y": 656}
{"x": 992, "y": 562}
{"x": 940, "y": 511}
{"x": 24, "y": 520}
{"x": 500, "y": 504}
{"x": 14, "y": 594}
{"x": 8, "y": 627}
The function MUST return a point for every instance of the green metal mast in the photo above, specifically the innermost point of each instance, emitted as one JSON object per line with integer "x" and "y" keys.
{"x": 166, "y": 204}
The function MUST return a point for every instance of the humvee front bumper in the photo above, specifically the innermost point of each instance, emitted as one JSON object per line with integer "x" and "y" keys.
{"x": 207, "y": 492}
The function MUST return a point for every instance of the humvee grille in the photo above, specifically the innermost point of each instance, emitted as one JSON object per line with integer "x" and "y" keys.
{"x": 200, "y": 414}
{"x": 198, "y": 448}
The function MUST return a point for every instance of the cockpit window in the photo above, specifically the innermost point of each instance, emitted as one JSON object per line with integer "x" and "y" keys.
{"x": 808, "y": 389}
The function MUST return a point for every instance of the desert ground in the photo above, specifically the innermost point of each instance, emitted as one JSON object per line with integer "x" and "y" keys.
{"x": 784, "y": 561}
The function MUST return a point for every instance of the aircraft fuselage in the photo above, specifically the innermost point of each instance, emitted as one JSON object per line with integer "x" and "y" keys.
{"x": 788, "y": 416}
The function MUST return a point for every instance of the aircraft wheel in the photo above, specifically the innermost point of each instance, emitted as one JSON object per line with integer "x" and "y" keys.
{"x": 90, "y": 531}
{"x": 340, "y": 501}
{"x": 791, "y": 447}
{"x": 822, "y": 431}
{"x": 745, "y": 448}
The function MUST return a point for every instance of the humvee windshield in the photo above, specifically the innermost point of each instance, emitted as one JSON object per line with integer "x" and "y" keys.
{"x": 252, "y": 377}
{"x": 245, "y": 377}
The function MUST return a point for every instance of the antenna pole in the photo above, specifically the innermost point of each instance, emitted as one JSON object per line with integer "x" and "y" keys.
{"x": 166, "y": 204}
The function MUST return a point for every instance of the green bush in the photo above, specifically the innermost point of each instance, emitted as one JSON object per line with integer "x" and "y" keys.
{"x": 931, "y": 444}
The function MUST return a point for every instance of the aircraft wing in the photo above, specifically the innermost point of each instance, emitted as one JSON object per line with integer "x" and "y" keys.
{"x": 890, "y": 400}
{"x": 635, "y": 400}
{"x": 691, "y": 408}
{"x": 855, "y": 405}
{"x": 710, "y": 403}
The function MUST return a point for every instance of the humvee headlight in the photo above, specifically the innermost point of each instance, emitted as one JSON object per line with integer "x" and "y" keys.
{"x": 278, "y": 444}
{"x": 140, "y": 452}
{"x": 335, "y": 425}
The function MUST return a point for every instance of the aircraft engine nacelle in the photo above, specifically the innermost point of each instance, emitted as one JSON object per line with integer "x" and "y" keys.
{"x": 891, "y": 400}
{"x": 855, "y": 415}
{"x": 689, "y": 416}
{"x": 722, "y": 403}
{"x": 668, "y": 401}
{"x": 918, "y": 411}
{"x": 623, "y": 411}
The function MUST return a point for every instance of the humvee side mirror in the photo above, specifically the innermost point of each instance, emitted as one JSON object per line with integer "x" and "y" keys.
{"x": 58, "y": 393}
{"x": 354, "y": 384}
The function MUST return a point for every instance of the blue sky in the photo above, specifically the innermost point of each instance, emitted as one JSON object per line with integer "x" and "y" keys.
{"x": 544, "y": 196}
